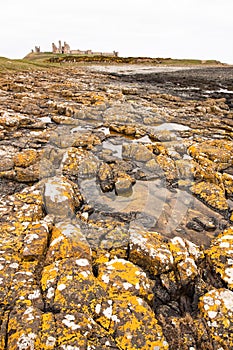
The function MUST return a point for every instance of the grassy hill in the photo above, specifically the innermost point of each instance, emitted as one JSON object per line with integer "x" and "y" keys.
{"x": 47, "y": 59}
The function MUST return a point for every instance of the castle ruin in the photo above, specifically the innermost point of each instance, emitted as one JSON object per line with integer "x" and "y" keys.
{"x": 65, "y": 49}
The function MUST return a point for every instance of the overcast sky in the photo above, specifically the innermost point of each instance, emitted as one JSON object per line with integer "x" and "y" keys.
{"x": 158, "y": 28}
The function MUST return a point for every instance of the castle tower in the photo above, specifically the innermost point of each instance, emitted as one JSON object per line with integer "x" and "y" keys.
{"x": 60, "y": 47}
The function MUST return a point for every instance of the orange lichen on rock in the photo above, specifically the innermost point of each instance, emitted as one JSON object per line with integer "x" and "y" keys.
{"x": 216, "y": 307}
{"x": 67, "y": 241}
{"x": 186, "y": 255}
{"x": 119, "y": 276}
{"x": 148, "y": 250}
{"x": 220, "y": 256}
{"x": 26, "y": 158}
{"x": 211, "y": 194}
{"x": 133, "y": 324}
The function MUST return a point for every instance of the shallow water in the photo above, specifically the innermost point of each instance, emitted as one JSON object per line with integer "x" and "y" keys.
{"x": 170, "y": 127}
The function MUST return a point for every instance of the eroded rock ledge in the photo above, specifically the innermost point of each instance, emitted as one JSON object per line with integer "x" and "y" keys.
{"x": 116, "y": 214}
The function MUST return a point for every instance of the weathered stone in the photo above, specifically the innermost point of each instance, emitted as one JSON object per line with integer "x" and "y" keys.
{"x": 133, "y": 324}
{"x": 36, "y": 239}
{"x": 216, "y": 307}
{"x": 149, "y": 252}
{"x": 72, "y": 273}
{"x": 119, "y": 276}
{"x": 106, "y": 177}
{"x": 211, "y": 194}
{"x": 123, "y": 185}
{"x": 26, "y": 158}
{"x": 29, "y": 174}
{"x": 220, "y": 256}
{"x": 168, "y": 166}
{"x": 58, "y": 197}
{"x": 136, "y": 152}
{"x": 185, "y": 255}
{"x": 67, "y": 241}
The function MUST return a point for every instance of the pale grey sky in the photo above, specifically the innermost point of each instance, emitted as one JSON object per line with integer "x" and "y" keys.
{"x": 157, "y": 28}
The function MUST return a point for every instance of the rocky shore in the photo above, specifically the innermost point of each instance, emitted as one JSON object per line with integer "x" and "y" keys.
{"x": 116, "y": 209}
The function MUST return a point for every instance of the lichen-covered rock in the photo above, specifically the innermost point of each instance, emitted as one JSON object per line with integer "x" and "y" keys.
{"x": 216, "y": 307}
{"x": 119, "y": 276}
{"x": 218, "y": 151}
{"x": 23, "y": 328}
{"x": 79, "y": 331}
{"x": 26, "y": 158}
{"x": 168, "y": 165}
{"x": 67, "y": 241}
{"x": 29, "y": 174}
{"x": 72, "y": 159}
{"x": 106, "y": 177}
{"x": 123, "y": 185}
{"x": 227, "y": 181}
{"x": 61, "y": 281}
{"x": 211, "y": 194}
{"x": 133, "y": 324}
{"x": 75, "y": 270}
{"x": 137, "y": 152}
{"x": 107, "y": 242}
{"x": 59, "y": 197}
{"x": 148, "y": 250}
{"x": 35, "y": 241}
{"x": 185, "y": 254}
{"x": 220, "y": 256}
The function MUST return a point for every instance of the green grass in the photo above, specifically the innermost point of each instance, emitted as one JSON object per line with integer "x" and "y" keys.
{"x": 48, "y": 60}
{"x": 7, "y": 64}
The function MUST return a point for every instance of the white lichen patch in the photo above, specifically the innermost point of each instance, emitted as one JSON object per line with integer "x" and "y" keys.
{"x": 61, "y": 287}
{"x": 50, "y": 341}
{"x": 105, "y": 279}
{"x": 227, "y": 298}
{"x": 127, "y": 285}
{"x": 85, "y": 274}
{"x": 50, "y": 293}
{"x": 34, "y": 295}
{"x": 26, "y": 342}
{"x": 82, "y": 262}
{"x": 57, "y": 240}
{"x": 98, "y": 308}
{"x": 229, "y": 275}
{"x": 53, "y": 192}
{"x": 69, "y": 322}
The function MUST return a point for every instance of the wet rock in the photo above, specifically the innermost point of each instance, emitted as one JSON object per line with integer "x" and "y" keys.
{"x": 208, "y": 223}
{"x": 193, "y": 225}
{"x": 136, "y": 152}
{"x": 106, "y": 177}
{"x": 123, "y": 185}
{"x": 77, "y": 266}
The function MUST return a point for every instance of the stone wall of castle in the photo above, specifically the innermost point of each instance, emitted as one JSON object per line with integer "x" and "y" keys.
{"x": 65, "y": 49}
